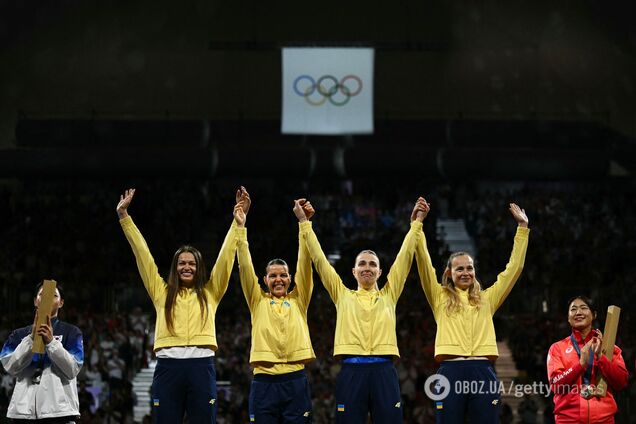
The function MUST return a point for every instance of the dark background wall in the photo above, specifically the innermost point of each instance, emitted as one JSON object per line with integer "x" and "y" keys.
{"x": 212, "y": 60}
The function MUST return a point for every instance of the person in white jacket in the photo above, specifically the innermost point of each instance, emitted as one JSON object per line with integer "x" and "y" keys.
{"x": 46, "y": 386}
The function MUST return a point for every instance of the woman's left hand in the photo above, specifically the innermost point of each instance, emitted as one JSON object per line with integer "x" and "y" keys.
{"x": 243, "y": 196}
{"x": 519, "y": 215}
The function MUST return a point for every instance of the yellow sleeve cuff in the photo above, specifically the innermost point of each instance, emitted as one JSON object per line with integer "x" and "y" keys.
{"x": 416, "y": 225}
{"x": 126, "y": 221}
{"x": 304, "y": 227}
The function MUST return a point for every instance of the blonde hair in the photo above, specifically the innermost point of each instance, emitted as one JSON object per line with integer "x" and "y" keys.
{"x": 454, "y": 304}
{"x": 370, "y": 252}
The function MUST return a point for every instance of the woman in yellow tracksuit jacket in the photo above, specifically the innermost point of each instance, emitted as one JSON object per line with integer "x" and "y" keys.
{"x": 281, "y": 345}
{"x": 185, "y": 338}
{"x": 365, "y": 336}
{"x": 465, "y": 343}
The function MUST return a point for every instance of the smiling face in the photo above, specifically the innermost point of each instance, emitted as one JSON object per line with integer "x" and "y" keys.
{"x": 367, "y": 270}
{"x": 462, "y": 271}
{"x": 277, "y": 280}
{"x": 186, "y": 268}
{"x": 58, "y": 302}
{"x": 580, "y": 316}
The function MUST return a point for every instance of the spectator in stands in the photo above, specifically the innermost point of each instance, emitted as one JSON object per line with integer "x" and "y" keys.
{"x": 506, "y": 416}
{"x": 281, "y": 345}
{"x": 575, "y": 364}
{"x": 465, "y": 343}
{"x": 6, "y": 383}
{"x": 116, "y": 369}
{"x": 365, "y": 336}
{"x": 185, "y": 339}
{"x": 46, "y": 386}
{"x": 528, "y": 410}
{"x": 86, "y": 401}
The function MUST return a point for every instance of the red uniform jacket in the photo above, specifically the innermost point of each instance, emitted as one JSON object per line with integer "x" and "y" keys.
{"x": 565, "y": 374}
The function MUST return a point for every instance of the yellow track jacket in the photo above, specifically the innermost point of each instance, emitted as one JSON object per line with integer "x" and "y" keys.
{"x": 365, "y": 320}
{"x": 189, "y": 329}
{"x": 280, "y": 335}
{"x": 470, "y": 332}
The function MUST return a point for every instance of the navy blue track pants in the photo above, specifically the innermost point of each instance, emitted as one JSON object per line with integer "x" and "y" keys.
{"x": 368, "y": 388}
{"x": 184, "y": 385}
{"x": 280, "y": 399}
{"x": 474, "y": 393}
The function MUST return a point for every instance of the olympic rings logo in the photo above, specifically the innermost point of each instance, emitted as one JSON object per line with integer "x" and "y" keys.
{"x": 328, "y": 88}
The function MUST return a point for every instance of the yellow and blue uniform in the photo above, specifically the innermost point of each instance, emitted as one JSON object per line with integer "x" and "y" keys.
{"x": 366, "y": 335}
{"x": 469, "y": 333}
{"x": 280, "y": 341}
{"x": 180, "y": 383}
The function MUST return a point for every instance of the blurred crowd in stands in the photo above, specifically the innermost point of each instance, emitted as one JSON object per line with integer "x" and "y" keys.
{"x": 582, "y": 240}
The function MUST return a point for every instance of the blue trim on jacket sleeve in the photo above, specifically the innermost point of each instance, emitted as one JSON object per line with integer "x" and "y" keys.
{"x": 73, "y": 341}
{"x": 14, "y": 340}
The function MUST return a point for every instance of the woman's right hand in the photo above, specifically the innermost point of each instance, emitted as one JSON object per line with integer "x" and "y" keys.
{"x": 124, "y": 202}
{"x": 584, "y": 360}
{"x": 303, "y": 210}
{"x": 243, "y": 196}
{"x": 421, "y": 210}
{"x": 239, "y": 214}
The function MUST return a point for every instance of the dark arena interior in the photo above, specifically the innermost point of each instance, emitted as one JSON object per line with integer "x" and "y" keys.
{"x": 475, "y": 105}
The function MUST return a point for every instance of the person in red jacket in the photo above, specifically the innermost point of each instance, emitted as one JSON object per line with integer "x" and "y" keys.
{"x": 574, "y": 366}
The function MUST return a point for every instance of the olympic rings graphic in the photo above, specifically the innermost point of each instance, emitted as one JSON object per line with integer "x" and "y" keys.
{"x": 328, "y": 87}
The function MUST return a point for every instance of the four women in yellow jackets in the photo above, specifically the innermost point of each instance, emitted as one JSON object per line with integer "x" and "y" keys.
{"x": 365, "y": 338}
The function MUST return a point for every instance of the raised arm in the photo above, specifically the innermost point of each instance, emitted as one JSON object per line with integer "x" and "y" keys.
{"x": 507, "y": 279}
{"x": 304, "y": 277}
{"x": 220, "y": 275}
{"x": 402, "y": 265}
{"x": 249, "y": 280}
{"x": 428, "y": 276}
{"x": 328, "y": 275}
{"x": 145, "y": 262}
